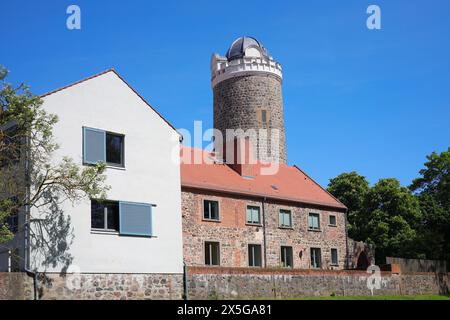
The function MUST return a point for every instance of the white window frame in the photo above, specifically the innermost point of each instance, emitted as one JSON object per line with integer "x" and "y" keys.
{"x": 210, "y": 211}
{"x": 253, "y": 246}
{"x": 313, "y": 257}
{"x": 281, "y": 257}
{"x": 331, "y": 256}
{"x": 253, "y": 223}
{"x": 281, "y": 224}
{"x": 210, "y": 253}
{"x": 311, "y": 227}
{"x": 335, "y": 220}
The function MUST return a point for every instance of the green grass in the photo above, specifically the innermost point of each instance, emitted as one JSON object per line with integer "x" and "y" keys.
{"x": 423, "y": 297}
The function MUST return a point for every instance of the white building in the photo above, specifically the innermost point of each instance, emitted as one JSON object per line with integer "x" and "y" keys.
{"x": 135, "y": 236}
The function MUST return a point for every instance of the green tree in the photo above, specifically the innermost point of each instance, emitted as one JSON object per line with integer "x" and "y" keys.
{"x": 435, "y": 178}
{"x": 433, "y": 191}
{"x": 351, "y": 189}
{"x": 386, "y": 215}
{"x": 30, "y": 176}
{"x": 393, "y": 219}
{"x": 434, "y": 230}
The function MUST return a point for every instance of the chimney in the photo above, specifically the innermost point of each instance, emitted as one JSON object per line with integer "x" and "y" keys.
{"x": 239, "y": 157}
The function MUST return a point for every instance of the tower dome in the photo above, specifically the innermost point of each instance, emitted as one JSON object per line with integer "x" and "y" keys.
{"x": 246, "y": 84}
{"x": 246, "y": 46}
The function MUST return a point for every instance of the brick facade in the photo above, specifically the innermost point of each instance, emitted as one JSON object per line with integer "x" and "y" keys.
{"x": 238, "y": 103}
{"x": 234, "y": 235}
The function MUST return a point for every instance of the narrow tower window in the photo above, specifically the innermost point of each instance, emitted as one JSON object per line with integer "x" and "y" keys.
{"x": 263, "y": 116}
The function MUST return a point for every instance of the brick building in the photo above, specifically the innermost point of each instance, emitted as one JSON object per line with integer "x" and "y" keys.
{"x": 282, "y": 220}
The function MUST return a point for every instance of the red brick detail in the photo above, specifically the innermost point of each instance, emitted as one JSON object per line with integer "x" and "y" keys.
{"x": 286, "y": 272}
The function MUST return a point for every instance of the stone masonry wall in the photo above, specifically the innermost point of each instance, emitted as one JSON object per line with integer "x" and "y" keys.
{"x": 246, "y": 283}
{"x": 237, "y": 105}
{"x": 93, "y": 287}
{"x": 234, "y": 235}
{"x": 224, "y": 283}
{"x": 15, "y": 286}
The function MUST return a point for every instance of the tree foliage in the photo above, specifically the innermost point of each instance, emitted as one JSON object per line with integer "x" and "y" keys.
{"x": 435, "y": 179}
{"x": 432, "y": 189}
{"x": 351, "y": 189}
{"x": 409, "y": 222}
{"x": 392, "y": 215}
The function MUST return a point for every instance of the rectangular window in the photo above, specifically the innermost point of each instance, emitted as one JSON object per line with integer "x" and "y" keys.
{"x": 314, "y": 221}
{"x": 105, "y": 215}
{"x": 264, "y": 116}
{"x": 212, "y": 254}
{"x": 334, "y": 257}
{"x": 285, "y": 219}
{"x": 211, "y": 210}
{"x": 114, "y": 149}
{"x": 287, "y": 260}
{"x": 99, "y": 145}
{"x": 316, "y": 258}
{"x": 253, "y": 215}
{"x": 254, "y": 255}
{"x": 333, "y": 220}
{"x": 127, "y": 218}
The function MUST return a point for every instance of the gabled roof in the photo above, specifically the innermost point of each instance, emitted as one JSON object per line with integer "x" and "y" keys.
{"x": 290, "y": 183}
{"x": 120, "y": 77}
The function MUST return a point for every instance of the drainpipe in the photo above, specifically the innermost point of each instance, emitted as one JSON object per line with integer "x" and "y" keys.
{"x": 264, "y": 231}
{"x": 34, "y": 275}
{"x": 347, "y": 264}
{"x": 29, "y": 272}
{"x": 185, "y": 282}
{"x": 27, "y": 224}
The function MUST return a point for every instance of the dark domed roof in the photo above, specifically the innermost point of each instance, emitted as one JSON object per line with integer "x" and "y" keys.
{"x": 237, "y": 49}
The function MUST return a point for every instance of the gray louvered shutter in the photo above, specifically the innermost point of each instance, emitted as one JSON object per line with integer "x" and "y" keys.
{"x": 94, "y": 145}
{"x": 135, "y": 219}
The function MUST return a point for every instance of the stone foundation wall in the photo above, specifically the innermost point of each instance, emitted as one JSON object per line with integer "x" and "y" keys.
{"x": 245, "y": 283}
{"x": 93, "y": 287}
{"x": 221, "y": 283}
{"x": 15, "y": 286}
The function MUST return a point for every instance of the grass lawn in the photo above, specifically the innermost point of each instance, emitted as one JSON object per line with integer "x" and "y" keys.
{"x": 425, "y": 297}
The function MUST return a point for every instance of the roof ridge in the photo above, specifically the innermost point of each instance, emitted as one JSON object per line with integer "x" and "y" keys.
{"x": 77, "y": 82}
{"x": 123, "y": 80}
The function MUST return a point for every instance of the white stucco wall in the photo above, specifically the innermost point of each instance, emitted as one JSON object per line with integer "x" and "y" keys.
{"x": 150, "y": 176}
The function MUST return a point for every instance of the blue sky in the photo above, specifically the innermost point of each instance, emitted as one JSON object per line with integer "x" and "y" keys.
{"x": 372, "y": 101}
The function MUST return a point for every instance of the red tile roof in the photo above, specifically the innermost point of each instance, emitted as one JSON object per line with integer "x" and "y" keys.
{"x": 290, "y": 183}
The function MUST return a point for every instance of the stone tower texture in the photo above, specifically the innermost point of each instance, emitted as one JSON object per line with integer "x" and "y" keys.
{"x": 247, "y": 95}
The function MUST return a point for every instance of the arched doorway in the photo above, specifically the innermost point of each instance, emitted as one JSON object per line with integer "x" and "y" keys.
{"x": 363, "y": 261}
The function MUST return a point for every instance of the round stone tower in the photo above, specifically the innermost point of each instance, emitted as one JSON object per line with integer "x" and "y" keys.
{"x": 247, "y": 96}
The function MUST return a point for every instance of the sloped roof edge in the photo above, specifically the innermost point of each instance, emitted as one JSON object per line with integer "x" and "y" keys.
{"x": 343, "y": 205}
{"x": 258, "y": 195}
{"x": 123, "y": 80}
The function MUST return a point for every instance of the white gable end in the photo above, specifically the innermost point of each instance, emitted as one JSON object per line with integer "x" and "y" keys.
{"x": 149, "y": 175}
